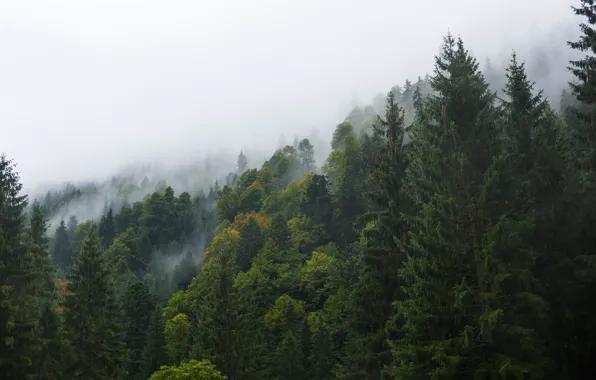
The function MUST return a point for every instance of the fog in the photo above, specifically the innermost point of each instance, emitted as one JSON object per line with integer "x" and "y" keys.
{"x": 89, "y": 87}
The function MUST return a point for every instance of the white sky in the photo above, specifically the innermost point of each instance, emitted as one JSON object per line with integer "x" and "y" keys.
{"x": 88, "y": 86}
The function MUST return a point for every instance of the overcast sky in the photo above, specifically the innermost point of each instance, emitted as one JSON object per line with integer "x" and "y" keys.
{"x": 87, "y": 86}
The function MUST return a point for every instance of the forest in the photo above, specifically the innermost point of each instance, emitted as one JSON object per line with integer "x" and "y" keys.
{"x": 448, "y": 235}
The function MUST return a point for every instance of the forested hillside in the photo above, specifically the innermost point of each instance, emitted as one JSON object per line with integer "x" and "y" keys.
{"x": 448, "y": 235}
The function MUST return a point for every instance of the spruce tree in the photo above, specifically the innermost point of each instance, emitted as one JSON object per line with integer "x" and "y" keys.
{"x": 62, "y": 250}
{"x": 242, "y": 163}
{"x": 49, "y": 358}
{"x": 19, "y": 311}
{"x": 154, "y": 352}
{"x": 380, "y": 258}
{"x": 92, "y": 316}
{"x": 439, "y": 320}
{"x": 137, "y": 307}
{"x": 583, "y": 87}
{"x": 107, "y": 229}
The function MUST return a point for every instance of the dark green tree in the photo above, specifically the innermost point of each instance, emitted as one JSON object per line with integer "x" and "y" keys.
{"x": 19, "y": 312}
{"x": 251, "y": 241}
{"x": 92, "y": 317}
{"x": 443, "y": 328}
{"x": 62, "y": 251}
{"x": 367, "y": 349}
{"x": 49, "y": 359}
{"x": 107, "y": 229}
{"x": 137, "y": 307}
{"x": 154, "y": 352}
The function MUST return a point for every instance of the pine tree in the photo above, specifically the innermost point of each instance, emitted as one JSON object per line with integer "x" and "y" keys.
{"x": 91, "y": 316}
{"x": 19, "y": 312}
{"x": 62, "y": 250}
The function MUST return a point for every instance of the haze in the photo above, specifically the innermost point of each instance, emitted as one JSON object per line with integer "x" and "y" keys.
{"x": 87, "y": 87}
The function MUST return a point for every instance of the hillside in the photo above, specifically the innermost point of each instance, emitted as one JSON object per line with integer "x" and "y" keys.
{"x": 447, "y": 235}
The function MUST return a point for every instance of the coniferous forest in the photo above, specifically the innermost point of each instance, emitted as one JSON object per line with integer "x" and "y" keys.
{"x": 450, "y": 234}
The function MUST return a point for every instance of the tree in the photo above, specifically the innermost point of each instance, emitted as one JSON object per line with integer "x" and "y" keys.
{"x": 349, "y": 190}
{"x": 49, "y": 330}
{"x": 92, "y": 316}
{"x": 381, "y": 257}
{"x": 584, "y": 71}
{"x": 137, "y": 306}
{"x": 251, "y": 241}
{"x": 62, "y": 252}
{"x": 441, "y": 322}
{"x": 307, "y": 155}
{"x": 154, "y": 352}
{"x": 242, "y": 163}
{"x": 107, "y": 229}
{"x": 191, "y": 370}
{"x": 317, "y": 204}
{"x": 18, "y": 310}
{"x": 71, "y": 226}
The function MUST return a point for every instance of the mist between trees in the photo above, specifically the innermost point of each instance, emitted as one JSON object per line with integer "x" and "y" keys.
{"x": 447, "y": 234}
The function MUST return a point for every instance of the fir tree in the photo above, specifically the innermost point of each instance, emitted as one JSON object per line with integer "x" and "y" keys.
{"x": 107, "y": 229}
{"x": 137, "y": 307}
{"x": 154, "y": 352}
{"x": 242, "y": 163}
{"x": 19, "y": 311}
{"x": 62, "y": 250}
{"x": 91, "y": 316}
{"x": 48, "y": 362}
{"x": 584, "y": 71}
{"x": 369, "y": 352}
{"x": 439, "y": 318}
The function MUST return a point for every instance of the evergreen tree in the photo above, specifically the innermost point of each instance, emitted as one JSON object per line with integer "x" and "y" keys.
{"x": 154, "y": 352}
{"x": 307, "y": 155}
{"x": 441, "y": 320}
{"x": 379, "y": 287}
{"x": 584, "y": 71}
{"x": 242, "y": 163}
{"x": 251, "y": 241}
{"x": 62, "y": 252}
{"x": 137, "y": 306}
{"x": 92, "y": 317}
{"x": 71, "y": 227}
{"x": 349, "y": 190}
{"x": 19, "y": 312}
{"x": 107, "y": 229}
{"x": 48, "y": 362}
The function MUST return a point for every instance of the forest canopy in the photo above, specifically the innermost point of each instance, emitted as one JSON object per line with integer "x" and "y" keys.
{"x": 448, "y": 235}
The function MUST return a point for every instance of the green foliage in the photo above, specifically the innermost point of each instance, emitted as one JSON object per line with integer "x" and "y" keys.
{"x": 191, "y": 370}
{"x": 62, "y": 252}
{"x": 450, "y": 237}
{"x": 18, "y": 310}
{"x": 91, "y": 316}
{"x": 176, "y": 334}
